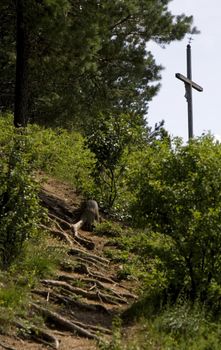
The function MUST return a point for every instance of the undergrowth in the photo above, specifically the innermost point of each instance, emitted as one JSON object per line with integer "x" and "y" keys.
{"x": 38, "y": 260}
{"x": 163, "y": 318}
{"x": 179, "y": 327}
{"x": 25, "y": 256}
{"x": 57, "y": 152}
{"x": 156, "y": 321}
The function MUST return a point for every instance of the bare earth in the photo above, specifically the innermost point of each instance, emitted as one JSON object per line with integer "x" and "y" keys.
{"x": 79, "y": 303}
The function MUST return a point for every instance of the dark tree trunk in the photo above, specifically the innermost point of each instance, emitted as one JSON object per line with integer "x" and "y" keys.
{"x": 21, "y": 85}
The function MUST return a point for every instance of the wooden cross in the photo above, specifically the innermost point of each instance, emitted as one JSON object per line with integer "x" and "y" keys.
{"x": 189, "y": 84}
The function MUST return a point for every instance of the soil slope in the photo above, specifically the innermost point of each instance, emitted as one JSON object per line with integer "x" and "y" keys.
{"x": 79, "y": 303}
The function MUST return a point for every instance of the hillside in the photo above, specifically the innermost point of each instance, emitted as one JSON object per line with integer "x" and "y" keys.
{"x": 79, "y": 303}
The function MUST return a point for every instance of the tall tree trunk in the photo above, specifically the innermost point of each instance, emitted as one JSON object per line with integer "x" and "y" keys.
{"x": 21, "y": 84}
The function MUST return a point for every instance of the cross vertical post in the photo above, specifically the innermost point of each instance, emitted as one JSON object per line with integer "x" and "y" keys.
{"x": 189, "y": 84}
{"x": 189, "y": 92}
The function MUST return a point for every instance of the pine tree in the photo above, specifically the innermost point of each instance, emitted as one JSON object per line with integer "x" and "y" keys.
{"x": 85, "y": 57}
{"x": 22, "y": 55}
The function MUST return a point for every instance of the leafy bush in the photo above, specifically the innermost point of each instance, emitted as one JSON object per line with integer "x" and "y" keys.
{"x": 108, "y": 228}
{"x": 19, "y": 205}
{"x": 116, "y": 341}
{"x": 11, "y": 297}
{"x": 38, "y": 260}
{"x": 58, "y": 152}
{"x": 64, "y": 155}
{"x": 179, "y": 193}
{"x": 12, "y": 300}
{"x": 111, "y": 138}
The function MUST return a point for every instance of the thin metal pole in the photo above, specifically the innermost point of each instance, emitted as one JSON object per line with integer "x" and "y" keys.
{"x": 189, "y": 93}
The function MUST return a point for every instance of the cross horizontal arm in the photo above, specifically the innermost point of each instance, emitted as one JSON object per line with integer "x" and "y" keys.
{"x": 189, "y": 82}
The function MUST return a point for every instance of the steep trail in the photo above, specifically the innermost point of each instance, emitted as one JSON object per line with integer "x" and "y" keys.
{"x": 78, "y": 305}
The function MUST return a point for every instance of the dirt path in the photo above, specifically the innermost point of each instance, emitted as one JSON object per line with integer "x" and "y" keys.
{"x": 79, "y": 303}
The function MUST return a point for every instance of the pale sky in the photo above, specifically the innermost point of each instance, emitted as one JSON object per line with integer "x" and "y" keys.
{"x": 170, "y": 103}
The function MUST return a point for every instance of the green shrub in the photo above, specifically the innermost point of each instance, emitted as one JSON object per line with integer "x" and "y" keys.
{"x": 111, "y": 139}
{"x": 181, "y": 327}
{"x": 116, "y": 342}
{"x": 20, "y": 211}
{"x": 109, "y": 229}
{"x": 13, "y": 297}
{"x": 37, "y": 261}
{"x": 179, "y": 193}
{"x": 57, "y": 152}
{"x": 63, "y": 155}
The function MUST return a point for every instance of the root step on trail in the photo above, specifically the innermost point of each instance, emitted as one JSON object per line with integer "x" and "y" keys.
{"x": 80, "y": 301}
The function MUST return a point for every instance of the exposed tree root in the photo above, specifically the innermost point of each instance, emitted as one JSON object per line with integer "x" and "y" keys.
{"x": 92, "y": 307}
{"x": 44, "y": 337}
{"x": 39, "y": 334}
{"x": 75, "y": 251}
{"x": 56, "y": 206}
{"x": 58, "y": 233}
{"x": 5, "y": 346}
{"x": 121, "y": 295}
{"x": 69, "y": 266}
{"x": 94, "y": 328}
{"x": 64, "y": 323}
{"x": 88, "y": 244}
{"x": 112, "y": 299}
{"x": 89, "y": 259}
{"x": 86, "y": 261}
{"x": 84, "y": 242}
{"x": 83, "y": 269}
{"x": 64, "y": 224}
{"x": 66, "y": 300}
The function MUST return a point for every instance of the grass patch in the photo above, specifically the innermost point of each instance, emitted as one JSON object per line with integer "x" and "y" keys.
{"x": 39, "y": 260}
{"x": 179, "y": 327}
{"x": 109, "y": 229}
